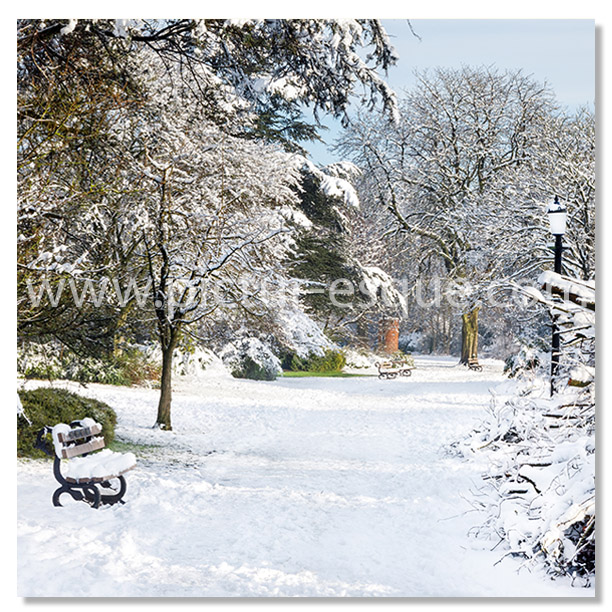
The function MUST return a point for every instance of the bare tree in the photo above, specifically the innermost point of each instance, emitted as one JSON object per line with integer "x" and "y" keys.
{"x": 445, "y": 176}
{"x": 207, "y": 206}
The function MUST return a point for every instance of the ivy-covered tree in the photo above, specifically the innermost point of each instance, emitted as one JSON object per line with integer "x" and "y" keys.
{"x": 72, "y": 91}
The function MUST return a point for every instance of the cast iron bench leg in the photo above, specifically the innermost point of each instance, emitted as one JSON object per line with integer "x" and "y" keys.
{"x": 115, "y": 497}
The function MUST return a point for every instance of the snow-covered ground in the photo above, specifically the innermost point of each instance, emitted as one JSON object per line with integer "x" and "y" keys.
{"x": 298, "y": 487}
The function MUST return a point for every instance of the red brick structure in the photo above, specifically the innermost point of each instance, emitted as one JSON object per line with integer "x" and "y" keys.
{"x": 389, "y": 335}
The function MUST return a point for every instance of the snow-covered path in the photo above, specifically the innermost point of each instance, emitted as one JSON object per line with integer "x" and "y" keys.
{"x": 298, "y": 487}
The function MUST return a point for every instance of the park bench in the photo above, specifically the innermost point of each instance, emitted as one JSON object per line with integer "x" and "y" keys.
{"x": 474, "y": 365}
{"x": 393, "y": 368}
{"x": 83, "y": 467}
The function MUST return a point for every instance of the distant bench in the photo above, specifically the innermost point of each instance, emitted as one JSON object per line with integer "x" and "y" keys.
{"x": 394, "y": 367}
{"x": 88, "y": 475}
{"x": 474, "y": 365}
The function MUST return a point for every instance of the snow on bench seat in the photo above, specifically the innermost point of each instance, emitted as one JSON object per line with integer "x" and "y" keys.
{"x": 99, "y": 467}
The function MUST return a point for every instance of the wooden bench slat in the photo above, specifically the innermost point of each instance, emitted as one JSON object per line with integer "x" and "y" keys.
{"x": 80, "y": 449}
{"x": 78, "y": 434}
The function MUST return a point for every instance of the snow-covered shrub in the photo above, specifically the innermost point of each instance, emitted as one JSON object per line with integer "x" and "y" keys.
{"x": 53, "y": 362}
{"x": 40, "y": 361}
{"x": 197, "y": 363}
{"x": 249, "y": 357}
{"x": 46, "y": 406}
{"x": 540, "y": 493}
{"x": 190, "y": 360}
{"x": 405, "y": 358}
{"x": 360, "y": 359}
{"x": 541, "y": 479}
{"x": 90, "y": 369}
{"x": 300, "y": 334}
{"x": 528, "y": 360}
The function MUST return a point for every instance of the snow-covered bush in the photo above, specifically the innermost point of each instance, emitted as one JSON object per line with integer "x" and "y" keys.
{"x": 300, "y": 334}
{"x": 39, "y": 361}
{"x": 53, "y": 362}
{"x": 527, "y": 361}
{"x": 360, "y": 359}
{"x": 45, "y": 406}
{"x": 540, "y": 493}
{"x": 249, "y": 357}
{"x": 189, "y": 360}
{"x": 403, "y": 357}
{"x": 540, "y": 487}
{"x": 197, "y": 363}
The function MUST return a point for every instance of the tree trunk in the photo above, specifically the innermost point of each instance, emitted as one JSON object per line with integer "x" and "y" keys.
{"x": 165, "y": 399}
{"x": 469, "y": 336}
{"x": 363, "y": 333}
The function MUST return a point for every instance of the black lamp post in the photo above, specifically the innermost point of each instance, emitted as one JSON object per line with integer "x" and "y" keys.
{"x": 557, "y": 217}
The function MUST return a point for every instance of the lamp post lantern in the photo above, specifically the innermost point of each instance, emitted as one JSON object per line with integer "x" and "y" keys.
{"x": 557, "y": 217}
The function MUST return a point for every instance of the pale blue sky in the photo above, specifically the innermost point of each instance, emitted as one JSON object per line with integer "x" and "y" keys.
{"x": 558, "y": 51}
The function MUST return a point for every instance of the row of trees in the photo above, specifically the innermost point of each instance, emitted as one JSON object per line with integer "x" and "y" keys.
{"x": 459, "y": 187}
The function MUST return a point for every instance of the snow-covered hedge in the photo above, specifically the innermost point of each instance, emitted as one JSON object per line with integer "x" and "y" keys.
{"x": 137, "y": 364}
{"x": 194, "y": 361}
{"x": 330, "y": 361}
{"x": 46, "y": 406}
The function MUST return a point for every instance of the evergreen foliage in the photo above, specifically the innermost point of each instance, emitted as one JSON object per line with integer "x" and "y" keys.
{"x": 324, "y": 259}
{"x": 330, "y": 361}
{"x": 320, "y": 255}
{"x": 53, "y": 362}
{"x": 48, "y": 407}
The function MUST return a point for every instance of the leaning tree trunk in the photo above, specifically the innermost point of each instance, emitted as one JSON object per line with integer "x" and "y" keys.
{"x": 164, "y": 420}
{"x": 469, "y": 336}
